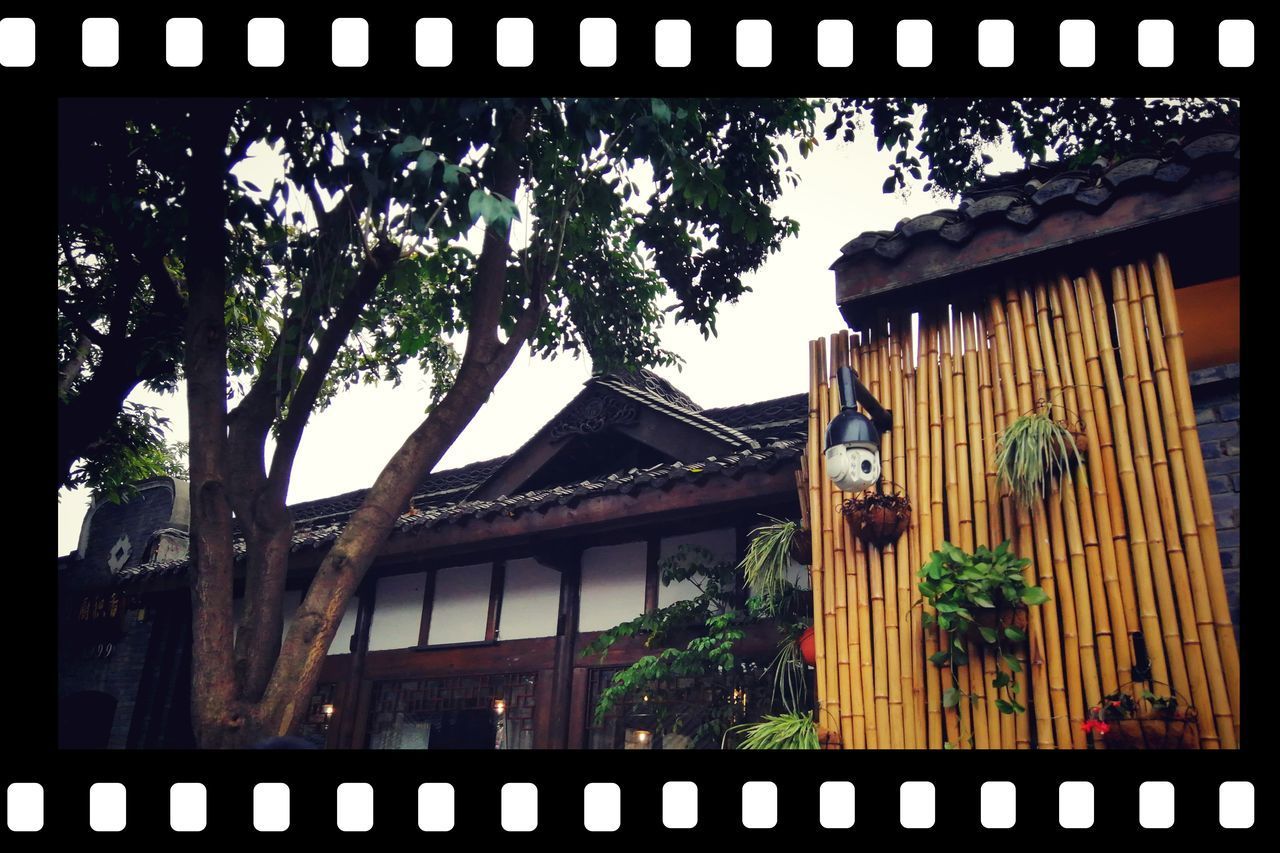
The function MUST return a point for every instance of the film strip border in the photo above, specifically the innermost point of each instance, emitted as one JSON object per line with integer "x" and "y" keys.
{"x": 102, "y": 43}
{"x": 515, "y": 807}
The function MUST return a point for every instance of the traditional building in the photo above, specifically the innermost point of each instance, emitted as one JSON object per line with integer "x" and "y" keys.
{"x": 469, "y": 628}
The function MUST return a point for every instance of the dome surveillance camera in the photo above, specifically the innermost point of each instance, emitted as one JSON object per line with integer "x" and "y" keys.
{"x": 853, "y": 442}
{"x": 853, "y": 467}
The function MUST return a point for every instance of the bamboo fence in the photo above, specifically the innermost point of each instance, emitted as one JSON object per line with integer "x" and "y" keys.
{"x": 1123, "y": 544}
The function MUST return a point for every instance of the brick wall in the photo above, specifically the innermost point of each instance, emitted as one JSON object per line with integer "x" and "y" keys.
{"x": 1216, "y": 393}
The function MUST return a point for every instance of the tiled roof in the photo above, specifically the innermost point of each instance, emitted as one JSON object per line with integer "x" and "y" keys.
{"x": 774, "y": 431}
{"x": 1023, "y": 198}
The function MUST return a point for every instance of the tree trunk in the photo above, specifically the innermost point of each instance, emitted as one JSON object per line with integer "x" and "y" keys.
{"x": 217, "y": 717}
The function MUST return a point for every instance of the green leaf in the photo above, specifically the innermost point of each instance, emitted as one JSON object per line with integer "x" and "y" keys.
{"x": 1005, "y": 707}
{"x": 1015, "y": 635}
{"x": 951, "y": 697}
{"x": 1012, "y": 663}
{"x": 1034, "y": 595}
{"x": 661, "y": 111}
{"x": 938, "y": 658}
{"x": 988, "y": 634}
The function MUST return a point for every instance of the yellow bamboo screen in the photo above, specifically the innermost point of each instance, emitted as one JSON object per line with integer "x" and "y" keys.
{"x": 1124, "y": 544}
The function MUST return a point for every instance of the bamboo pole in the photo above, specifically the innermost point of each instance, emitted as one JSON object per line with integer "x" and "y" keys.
{"x": 1178, "y": 465}
{"x": 860, "y": 361}
{"x": 1074, "y": 663}
{"x": 998, "y": 509}
{"x": 858, "y": 711}
{"x": 1088, "y": 545}
{"x": 951, "y": 716}
{"x": 907, "y": 597}
{"x": 817, "y": 532}
{"x": 926, "y": 369}
{"x": 831, "y": 662}
{"x": 959, "y": 522}
{"x": 1037, "y": 668}
{"x": 1094, "y": 479}
{"x": 1148, "y": 505}
{"x": 1122, "y": 548}
{"x": 839, "y": 344}
{"x": 1185, "y": 615}
{"x": 891, "y": 735}
{"x": 1139, "y": 547}
{"x": 1066, "y": 498}
{"x": 888, "y": 554}
{"x": 902, "y": 548}
{"x": 1208, "y": 534}
{"x": 981, "y": 515}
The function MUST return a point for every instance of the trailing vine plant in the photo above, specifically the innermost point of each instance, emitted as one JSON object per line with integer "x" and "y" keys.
{"x": 980, "y": 596}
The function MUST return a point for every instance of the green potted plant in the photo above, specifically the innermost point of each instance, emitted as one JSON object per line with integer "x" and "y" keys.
{"x": 981, "y": 597}
{"x": 1034, "y": 449}
{"x": 790, "y": 730}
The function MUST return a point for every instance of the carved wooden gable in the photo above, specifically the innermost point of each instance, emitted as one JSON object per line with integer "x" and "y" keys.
{"x": 618, "y": 421}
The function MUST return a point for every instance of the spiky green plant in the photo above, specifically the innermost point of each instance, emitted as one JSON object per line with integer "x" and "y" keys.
{"x": 794, "y": 730}
{"x": 790, "y": 687}
{"x": 1030, "y": 452}
{"x": 768, "y": 560}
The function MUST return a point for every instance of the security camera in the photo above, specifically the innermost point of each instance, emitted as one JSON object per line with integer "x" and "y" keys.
{"x": 853, "y": 439}
{"x": 853, "y": 467}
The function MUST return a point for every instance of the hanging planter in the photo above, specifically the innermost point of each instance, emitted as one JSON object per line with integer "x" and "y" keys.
{"x": 1151, "y": 722}
{"x": 878, "y": 519}
{"x": 1033, "y": 450}
{"x": 808, "y": 651}
{"x": 1002, "y": 617}
{"x": 801, "y": 548}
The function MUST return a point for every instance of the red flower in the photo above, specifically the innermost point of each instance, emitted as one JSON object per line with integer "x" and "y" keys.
{"x": 1095, "y": 726}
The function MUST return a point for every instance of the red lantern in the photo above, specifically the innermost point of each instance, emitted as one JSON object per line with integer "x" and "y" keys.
{"x": 807, "y": 650}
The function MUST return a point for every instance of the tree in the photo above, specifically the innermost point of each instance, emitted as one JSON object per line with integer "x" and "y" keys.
{"x": 358, "y": 258}
{"x": 944, "y": 141}
{"x": 119, "y": 307}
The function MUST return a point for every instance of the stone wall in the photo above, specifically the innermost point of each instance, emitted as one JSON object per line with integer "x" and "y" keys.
{"x": 1216, "y": 393}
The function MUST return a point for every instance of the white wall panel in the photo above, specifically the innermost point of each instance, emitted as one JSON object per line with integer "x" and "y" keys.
{"x": 397, "y": 612}
{"x": 612, "y": 585}
{"x": 530, "y": 600}
{"x": 460, "y": 604}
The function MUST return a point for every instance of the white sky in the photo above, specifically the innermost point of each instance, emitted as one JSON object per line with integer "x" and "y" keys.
{"x": 760, "y": 353}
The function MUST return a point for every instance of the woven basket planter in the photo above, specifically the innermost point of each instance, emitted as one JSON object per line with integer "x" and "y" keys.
{"x": 1002, "y": 616}
{"x": 1178, "y": 731}
{"x": 802, "y": 547}
{"x": 877, "y": 519}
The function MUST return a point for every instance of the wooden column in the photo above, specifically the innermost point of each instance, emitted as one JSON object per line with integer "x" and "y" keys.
{"x": 569, "y": 563}
{"x": 350, "y": 689}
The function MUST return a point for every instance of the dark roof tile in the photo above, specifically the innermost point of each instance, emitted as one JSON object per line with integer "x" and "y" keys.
{"x": 773, "y": 429}
{"x": 1019, "y": 197}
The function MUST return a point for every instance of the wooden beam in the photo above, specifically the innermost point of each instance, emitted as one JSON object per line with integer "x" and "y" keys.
{"x": 496, "y": 578}
{"x": 652, "y": 574}
{"x": 428, "y": 601}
